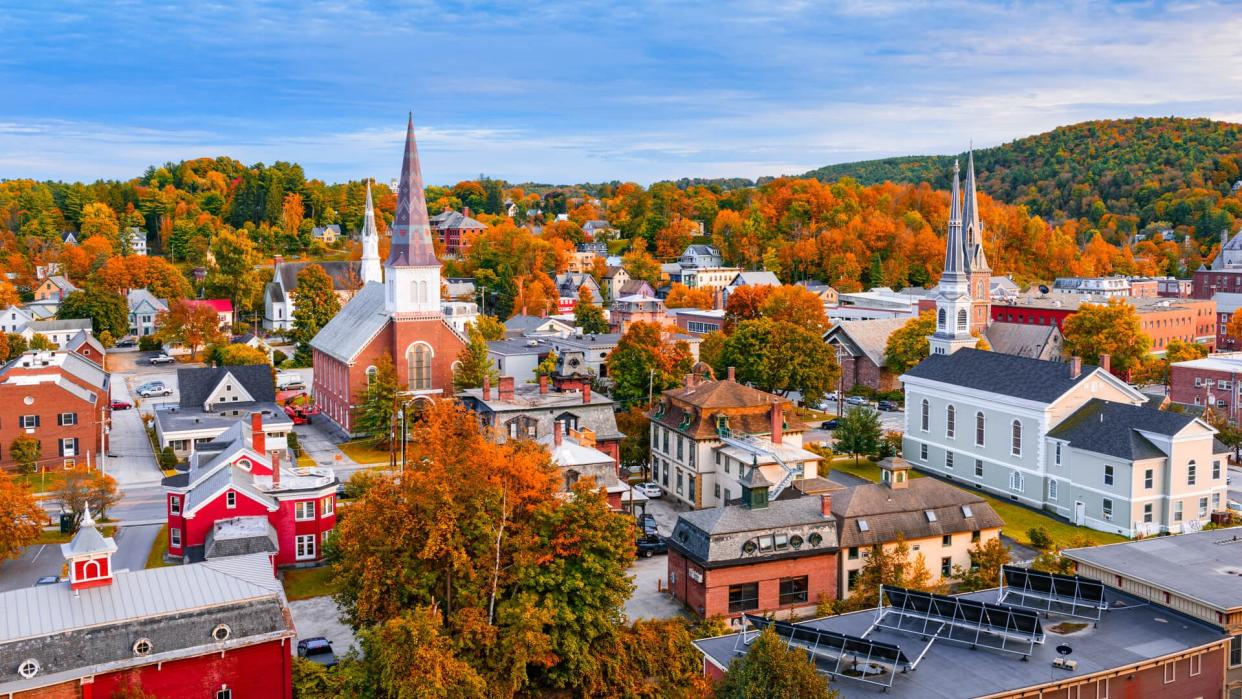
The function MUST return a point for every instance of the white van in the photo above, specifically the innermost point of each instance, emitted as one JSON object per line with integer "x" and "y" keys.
{"x": 289, "y": 381}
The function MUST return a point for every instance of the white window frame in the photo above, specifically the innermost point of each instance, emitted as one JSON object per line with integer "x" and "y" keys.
{"x": 1015, "y": 436}
{"x": 1196, "y": 665}
{"x": 230, "y": 499}
{"x": 1170, "y": 672}
{"x": 299, "y": 511}
{"x": 1109, "y": 474}
{"x": 923, "y": 452}
{"x": 1017, "y": 482}
{"x": 950, "y": 421}
{"x": 948, "y": 459}
{"x": 327, "y": 506}
{"x": 1192, "y": 472}
{"x": 174, "y": 505}
{"x": 981, "y": 422}
{"x": 1178, "y": 511}
{"x": 1106, "y": 509}
{"x": 1149, "y": 479}
{"x": 1052, "y": 489}
{"x": 978, "y": 468}
{"x": 174, "y": 537}
{"x": 1148, "y": 512}
{"x": 925, "y": 416}
{"x": 305, "y": 546}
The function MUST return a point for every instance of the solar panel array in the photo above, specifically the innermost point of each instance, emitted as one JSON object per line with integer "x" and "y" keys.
{"x": 960, "y": 620}
{"x": 845, "y": 651}
{"x": 1072, "y": 595}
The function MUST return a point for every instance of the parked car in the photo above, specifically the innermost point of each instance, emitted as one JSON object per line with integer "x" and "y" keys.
{"x": 888, "y": 406}
{"x": 830, "y": 424}
{"x": 154, "y": 388}
{"x": 651, "y": 489}
{"x": 47, "y": 580}
{"x": 317, "y": 650}
{"x": 125, "y": 342}
{"x": 856, "y": 400}
{"x": 121, "y": 405}
{"x": 650, "y": 545}
{"x": 647, "y": 522}
{"x": 1235, "y": 506}
{"x": 288, "y": 381}
{"x": 162, "y": 358}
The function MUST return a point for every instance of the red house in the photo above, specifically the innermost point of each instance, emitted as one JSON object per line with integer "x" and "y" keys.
{"x": 236, "y": 498}
{"x": 398, "y": 316}
{"x": 214, "y": 629}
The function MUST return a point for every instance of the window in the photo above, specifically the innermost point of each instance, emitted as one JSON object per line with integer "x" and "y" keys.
{"x": 1052, "y": 489}
{"x": 940, "y": 317}
{"x": 1170, "y": 671}
{"x": 1196, "y": 665}
{"x": 923, "y": 452}
{"x": 793, "y": 590}
{"x": 978, "y": 468}
{"x": 680, "y": 482}
{"x": 304, "y": 510}
{"x": 948, "y": 460}
{"x": 1016, "y": 481}
{"x": 716, "y": 491}
{"x": 418, "y": 364}
{"x": 926, "y": 415}
{"x": 69, "y": 446}
{"x": 1108, "y": 508}
{"x": 221, "y": 633}
{"x": 743, "y": 598}
{"x": 29, "y": 668}
{"x": 1215, "y": 502}
{"x": 305, "y": 546}
{"x": 851, "y": 579}
{"x": 946, "y": 540}
{"x": 946, "y": 567}
{"x": 174, "y": 505}
{"x": 327, "y": 506}
{"x": 1177, "y": 511}
{"x": 142, "y": 647}
{"x": 853, "y": 554}
{"x": 1057, "y": 458}
{"x": 1147, "y": 512}
{"x": 961, "y": 319}
{"x": 67, "y": 419}
{"x": 1203, "y": 508}
{"x": 950, "y": 421}
{"x": 1216, "y": 470}
{"x": 1235, "y": 651}
{"x": 230, "y": 499}
{"x": 1191, "y": 476}
{"x": 680, "y": 444}
{"x": 224, "y": 693}
{"x": 974, "y": 537}
{"x": 29, "y": 422}
{"x": 1148, "y": 478}
{"x": 1016, "y": 430}
{"x": 1108, "y": 475}
{"x": 174, "y": 538}
{"x": 371, "y": 372}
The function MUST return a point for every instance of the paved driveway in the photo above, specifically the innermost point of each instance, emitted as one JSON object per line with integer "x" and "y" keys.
{"x": 130, "y": 459}
{"x": 35, "y": 562}
{"x": 319, "y": 616}
{"x": 648, "y": 602}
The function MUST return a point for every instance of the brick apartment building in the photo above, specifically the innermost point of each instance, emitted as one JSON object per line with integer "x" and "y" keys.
{"x": 860, "y": 346}
{"x": 60, "y": 398}
{"x": 1162, "y": 319}
{"x": 1212, "y": 380}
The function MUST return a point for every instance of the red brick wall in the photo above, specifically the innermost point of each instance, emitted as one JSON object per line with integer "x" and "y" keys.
{"x": 1149, "y": 682}
{"x": 47, "y": 401}
{"x": 1182, "y": 388}
{"x": 711, "y": 597}
{"x": 861, "y": 371}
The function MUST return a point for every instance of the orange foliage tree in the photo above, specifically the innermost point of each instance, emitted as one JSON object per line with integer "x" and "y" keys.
{"x": 682, "y": 296}
{"x": 795, "y": 304}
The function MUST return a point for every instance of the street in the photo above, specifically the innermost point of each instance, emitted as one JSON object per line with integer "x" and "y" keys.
{"x": 133, "y": 544}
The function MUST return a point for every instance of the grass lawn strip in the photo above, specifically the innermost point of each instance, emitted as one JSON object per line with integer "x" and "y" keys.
{"x": 304, "y": 583}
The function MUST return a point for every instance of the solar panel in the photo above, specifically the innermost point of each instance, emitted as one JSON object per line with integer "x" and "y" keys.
{"x": 1071, "y": 595}
{"x": 838, "y": 654}
{"x": 960, "y": 620}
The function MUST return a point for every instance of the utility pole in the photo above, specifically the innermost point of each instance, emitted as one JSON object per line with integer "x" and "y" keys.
{"x": 840, "y": 383}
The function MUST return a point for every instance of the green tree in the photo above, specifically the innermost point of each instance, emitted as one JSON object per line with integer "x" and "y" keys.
{"x": 474, "y": 363}
{"x": 983, "y": 572}
{"x": 772, "y": 669}
{"x": 235, "y": 276}
{"x": 1112, "y": 328}
{"x": 779, "y": 357}
{"x": 315, "y": 304}
{"x": 107, "y": 310}
{"x": 168, "y": 459}
{"x": 380, "y": 403}
{"x": 908, "y": 345}
{"x": 636, "y": 447}
{"x": 858, "y": 432}
{"x": 491, "y": 327}
{"x": 415, "y": 659}
{"x": 240, "y": 355}
{"x": 41, "y": 342}
{"x": 26, "y": 452}
{"x": 645, "y": 363}
{"x": 588, "y": 315}
{"x": 16, "y": 345}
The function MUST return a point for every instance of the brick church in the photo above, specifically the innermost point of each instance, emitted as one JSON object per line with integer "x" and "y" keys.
{"x": 396, "y": 313}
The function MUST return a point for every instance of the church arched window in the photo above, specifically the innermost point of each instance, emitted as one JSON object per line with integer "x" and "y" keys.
{"x": 418, "y": 363}
{"x": 940, "y": 318}
{"x": 961, "y": 319}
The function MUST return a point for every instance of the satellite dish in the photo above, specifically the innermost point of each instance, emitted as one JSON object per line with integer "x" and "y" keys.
{"x": 1064, "y": 649}
{"x": 1043, "y": 288}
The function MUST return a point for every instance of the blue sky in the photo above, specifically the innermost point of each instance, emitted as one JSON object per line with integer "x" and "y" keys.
{"x": 586, "y": 91}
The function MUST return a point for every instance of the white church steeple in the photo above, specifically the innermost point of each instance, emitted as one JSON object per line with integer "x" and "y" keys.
{"x": 371, "y": 270}
{"x": 953, "y": 293}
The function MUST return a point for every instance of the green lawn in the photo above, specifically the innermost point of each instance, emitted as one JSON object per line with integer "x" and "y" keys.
{"x": 1018, "y": 519}
{"x": 304, "y": 583}
{"x": 155, "y": 559}
{"x": 53, "y": 536}
{"x": 364, "y": 451}
{"x": 47, "y": 482}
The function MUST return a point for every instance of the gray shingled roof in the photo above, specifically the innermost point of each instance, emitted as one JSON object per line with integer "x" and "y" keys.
{"x": 716, "y": 535}
{"x": 352, "y": 328}
{"x": 43, "y": 326}
{"x": 1006, "y": 374}
{"x": 869, "y": 336}
{"x": 762, "y": 278}
{"x": 903, "y": 511}
{"x": 1024, "y": 340}
{"x": 1113, "y": 429}
{"x": 196, "y": 384}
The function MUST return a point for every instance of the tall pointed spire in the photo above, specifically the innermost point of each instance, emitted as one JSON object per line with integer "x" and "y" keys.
{"x": 411, "y": 230}
{"x": 974, "y": 229}
{"x": 954, "y": 257}
{"x": 953, "y": 303}
{"x": 371, "y": 271}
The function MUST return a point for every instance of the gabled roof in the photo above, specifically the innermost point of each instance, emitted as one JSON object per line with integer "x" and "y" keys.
{"x": 355, "y": 325}
{"x": 319, "y": 231}
{"x": 84, "y": 338}
{"x": 762, "y": 278}
{"x": 1115, "y": 429}
{"x": 1005, "y": 374}
{"x": 1024, "y": 340}
{"x": 137, "y": 298}
{"x": 47, "y": 326}
{"x": 716, "y": 535}
{"x": 454, "y": 220}
{"x": 345, "y": 276}
{"x": 525, "y": 323}
{"x": 614, "y": 271}
{"x": 869, "y": 336}
{"x": 892, "y": 512}
{"x": 197, "y": 385}
{"x": 220, "y": 480}
{"x": 62, "y": 283}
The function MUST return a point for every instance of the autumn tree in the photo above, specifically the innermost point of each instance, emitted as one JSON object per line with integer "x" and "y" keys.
{"x": 108, "y": 310}
{"x": 25, "y": 451}
{"x": 588, "y": 315}
{"x": 1112, "y": 328}
{"x": 773, "y": 669}
{"x": 797, "y": 305}
{"x": 8, "y": 294}
{"x": 650, "y": 659}
{"x": 474, "y": 363}
{"x": 235, "y": 276}
{"x": 908, "y": 345}
{"x": 745, "y": 303}
{"x": 315, "y": 304}
{"x": 858, "y": 432}
{"x": 190, "y": 324}
{"x": 889, "y": 565}
{"x": 673, "y": 238}
{"x": 82, "y": 489}
{"x": 780, "y": 357}
{"x": 682, "y": 296}
{"x": 639, "y": 263}
{"x": 1233, "y": 329}
{"x": 292, "y": 210}
{"x": 98, "y": 219}
{"x": 645, "y": 363}
{"x": 239, "y": 355}
{"x": 379, "y": 403}
{"x": 21, "y": 518}
{"x": 711, "y": 351}
{"x": 636, "y": 446}
{"x": 491, "y": 328}
{"x": 414, "y": 657}
{"x": 986, "y": 559}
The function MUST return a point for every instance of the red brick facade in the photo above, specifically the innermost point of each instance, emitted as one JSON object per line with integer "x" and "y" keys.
{"x": 1190, "y": 385}
{"x": 1207, "y": 282}
{"x": 706, "y": 590}
{"x": 70, "y": 429}
{"x": 861, "y": 371}
{"x": 1186, "y": 320}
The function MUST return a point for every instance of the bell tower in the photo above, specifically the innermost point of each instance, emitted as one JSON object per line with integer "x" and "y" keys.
{"x": 977, "y": 269}
{"x": 412, "y": 272}
{"x": 89, "y": 556}
{"x": 953, "y": 305}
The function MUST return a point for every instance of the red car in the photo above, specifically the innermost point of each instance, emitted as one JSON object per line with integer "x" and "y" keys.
{"x": 121, "y": 405}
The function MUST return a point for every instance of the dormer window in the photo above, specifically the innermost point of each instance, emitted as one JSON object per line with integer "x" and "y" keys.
{"x": 931, "y": 515}
{"x": 863, "y": 526}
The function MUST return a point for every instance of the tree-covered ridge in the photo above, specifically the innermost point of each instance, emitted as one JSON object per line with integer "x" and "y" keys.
{"x": 1120, "y": 176}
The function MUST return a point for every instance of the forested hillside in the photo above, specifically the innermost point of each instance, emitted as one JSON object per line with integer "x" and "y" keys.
{"x": 1120, "y": 177}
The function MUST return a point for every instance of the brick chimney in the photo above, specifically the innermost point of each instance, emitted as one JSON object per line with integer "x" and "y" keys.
{"x": 586, "y": 394}
{"x": 543, "y": 385}
{"x": 466, "y": 212}
{"x": 557, "y": 437}
{"x": 1075, "y": 367}
{"x": 825, "y": 505}
{"x": 731, "y": 375}
{"x": 506, "y": 388}
{"x": 1106, "y": 362}
{"x": 276, "y": 260}
{"x": 487, "y": 388}
{"x": 689, "y": 380}
{"x": 275, "y": 469}
{"x": 777, "y": 423}
{"x": 258, "y": 440}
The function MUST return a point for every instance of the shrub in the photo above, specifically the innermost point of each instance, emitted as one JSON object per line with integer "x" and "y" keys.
{"x": 149, "y": 343}
{"x": 279, "y": 357}
{"x": 1040, "y": 538}
{"x": 168, "y": 459}
{"x": 294, "y": 447}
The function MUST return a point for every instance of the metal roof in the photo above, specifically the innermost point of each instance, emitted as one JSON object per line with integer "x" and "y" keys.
{"x": 355, "y": 325}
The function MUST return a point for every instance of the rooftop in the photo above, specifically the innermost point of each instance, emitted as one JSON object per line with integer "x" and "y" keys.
{"x": 1116, "y": 429}
{"x": 1221, "y": 361}
{"x": 1071, "y": 302}
{"x": 718, "y": 535}
{"x": 527, "y": 396}
{"x": 1204, "y": 566}
{"x": 175, "y": 418}
{"x": 1132, "y": 631}
{"x": 1005, "y": 374}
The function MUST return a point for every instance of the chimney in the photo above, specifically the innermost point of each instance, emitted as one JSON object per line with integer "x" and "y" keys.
{"x": 276, "y": 260}
{"x": 1106, "y": 362}
{"x": 825, "y": 505}
{"x": 275, "y": 469}
{"x": 487, "y": 388}
{"x": 586, "y": 394}
{"x": 556, "y": 433}
{"x": 506, "y": 388}
{"x": 689, "y": 380}
{"x": 1075, "y": 367}
{"x": 258, "y": 440}
{"x": 731, "y": 376}
{"x": 543, "y": 385}
{"x": 777, "y": 423}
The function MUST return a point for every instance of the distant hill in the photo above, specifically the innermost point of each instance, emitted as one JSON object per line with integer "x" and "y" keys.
{"x": 1141, "y": 171}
